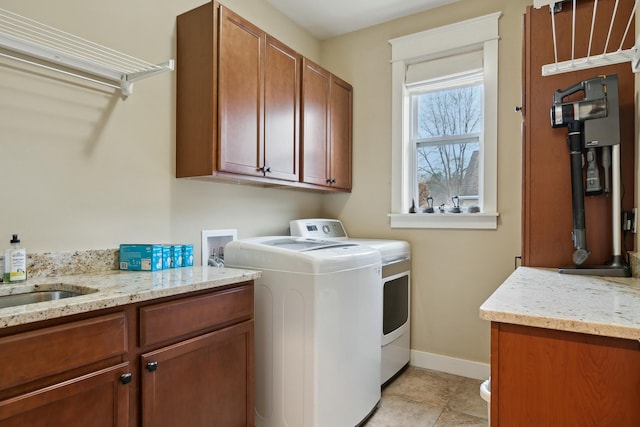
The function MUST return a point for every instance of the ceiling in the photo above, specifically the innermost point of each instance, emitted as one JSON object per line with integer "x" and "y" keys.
{"x": 329, "y": 18}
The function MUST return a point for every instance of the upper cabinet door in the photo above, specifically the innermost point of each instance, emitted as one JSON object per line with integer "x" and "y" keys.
{"x": 340, "y": 119}
{"x": 315, "y": 123}
{"x": 240, "y": 95}
{"x": 281, "y": 111}
{"x": 326, "y": 128}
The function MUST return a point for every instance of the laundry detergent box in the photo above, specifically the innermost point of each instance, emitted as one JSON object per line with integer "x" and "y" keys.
{"x": 187, "y": 255}
{"x": 140, "y": 257}
{"x": 166, "y": 257}
{"x": 176, "y": 256}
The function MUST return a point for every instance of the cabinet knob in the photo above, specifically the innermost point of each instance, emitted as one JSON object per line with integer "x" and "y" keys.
{"x": 331, "y": 181}
{"x": 126, "y": 378}
{"x": 518, "y": 108}
{"x": 152, "y": 366}
{"x": 265, "y": 169}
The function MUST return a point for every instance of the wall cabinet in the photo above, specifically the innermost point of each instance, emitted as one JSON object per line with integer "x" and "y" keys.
{"x": 258, "y": 101}
{"x": 326, "y": 128}
{"x": 239, "y": 108}
{"x": 181, "y": 361}
{"x": 546, "y": 377}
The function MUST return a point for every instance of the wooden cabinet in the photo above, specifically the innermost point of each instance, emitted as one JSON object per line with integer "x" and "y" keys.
{"x": 203, "y": 381}
{"x": 250, "y": 128}
{"x": 97, "y": 399}
{"x": 238, "y": 108}
{"x": 326, "y": 128}
{"x": 184, "y": 360}
{"x": 68, "y": 375}
{"x": 207, "y": 378}
{"x": 542, "y": 377}
{"x": 258, "y": 101}
{"x": 547, "y": 221}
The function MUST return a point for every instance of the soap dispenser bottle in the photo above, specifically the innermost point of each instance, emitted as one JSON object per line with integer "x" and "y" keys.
{"x": 15, "y": 262}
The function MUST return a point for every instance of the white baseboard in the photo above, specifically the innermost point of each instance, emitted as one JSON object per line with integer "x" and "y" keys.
{"x": 450, "y": 365}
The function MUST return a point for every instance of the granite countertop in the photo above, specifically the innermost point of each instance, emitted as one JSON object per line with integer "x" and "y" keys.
{"x": 586, "y": 304}
{"x": 114, "y": 288}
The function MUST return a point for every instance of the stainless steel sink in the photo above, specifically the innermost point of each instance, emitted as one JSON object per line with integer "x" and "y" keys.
{"x": 42, "y": 293}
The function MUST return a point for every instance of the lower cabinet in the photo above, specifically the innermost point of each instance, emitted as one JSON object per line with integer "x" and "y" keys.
{"x": 179, "y": 361}
{"x": 545, "y": 377}
{"x": 204, "y": 381}
{"x": 96, "y": 399}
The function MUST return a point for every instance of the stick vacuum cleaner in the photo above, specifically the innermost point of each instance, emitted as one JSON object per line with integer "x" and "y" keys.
{"x": 593, "y": 123}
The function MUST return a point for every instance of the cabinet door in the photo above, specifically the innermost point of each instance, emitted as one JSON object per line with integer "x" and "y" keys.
{"x": 240, "y": 95}
{"x": 282, "y": 111}
{"x": 315, "y": 123}
{"x": 204, "y": 381}
{"x": 547, "y": 221}
{"x": 97, "y": 399}
{"x": 543, "y": 377}
{"x": 340, "y": 119}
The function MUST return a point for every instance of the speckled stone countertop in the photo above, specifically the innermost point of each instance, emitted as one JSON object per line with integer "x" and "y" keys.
{"x": 113, "y": 288}
{"x": 585, "y": 304}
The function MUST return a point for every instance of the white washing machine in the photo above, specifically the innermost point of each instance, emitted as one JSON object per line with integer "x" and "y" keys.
{"x": 317, "y": 358}
{"x": 395, "y": 288}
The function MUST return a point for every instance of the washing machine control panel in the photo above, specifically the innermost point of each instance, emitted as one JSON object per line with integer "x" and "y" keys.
{"x": 317, "y": 228}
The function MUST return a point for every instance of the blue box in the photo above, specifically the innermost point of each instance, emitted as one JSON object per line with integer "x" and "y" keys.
{"x": 187, "y": 255}
{"x": 176, "y": 256}
{"x": 140, "y": 257}
{"x": 166, "y": 257}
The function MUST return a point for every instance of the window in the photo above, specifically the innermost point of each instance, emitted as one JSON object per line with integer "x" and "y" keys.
{"x": 444, "y": 126}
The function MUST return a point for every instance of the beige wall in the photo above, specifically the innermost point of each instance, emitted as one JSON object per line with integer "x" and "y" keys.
{"x": 83, "y": 168}
{"x": 453, "y": 271}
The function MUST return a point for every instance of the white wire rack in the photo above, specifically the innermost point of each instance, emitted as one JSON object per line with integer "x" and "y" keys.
{"x": 28, "y": 41}
{"x": 592, "y": 60}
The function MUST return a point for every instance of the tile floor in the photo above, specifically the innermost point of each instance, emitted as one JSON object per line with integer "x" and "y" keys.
{"x": 425, "y": 398}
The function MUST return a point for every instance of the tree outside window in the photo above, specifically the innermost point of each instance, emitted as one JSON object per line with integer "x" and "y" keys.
{"x": 447, "y": 131}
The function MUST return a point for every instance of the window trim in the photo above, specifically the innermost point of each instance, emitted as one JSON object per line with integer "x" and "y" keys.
{"x": 475, "y": 34}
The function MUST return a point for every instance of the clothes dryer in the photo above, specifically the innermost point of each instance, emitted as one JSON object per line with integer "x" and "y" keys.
{"x": 395, "y": 287}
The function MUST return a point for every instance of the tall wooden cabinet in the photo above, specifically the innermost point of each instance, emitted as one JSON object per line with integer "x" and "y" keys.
{"x": 547, "y": 221}
{"x": 239, "y": 94}
{"x": 326, "y": 130}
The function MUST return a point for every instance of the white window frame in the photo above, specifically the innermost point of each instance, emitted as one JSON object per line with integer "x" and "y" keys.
{"x": 472, "y": 35}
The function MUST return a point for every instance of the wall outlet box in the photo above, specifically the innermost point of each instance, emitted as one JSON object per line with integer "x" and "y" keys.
{"x": 214, "y": 240}
{"x": 140, "y": 257}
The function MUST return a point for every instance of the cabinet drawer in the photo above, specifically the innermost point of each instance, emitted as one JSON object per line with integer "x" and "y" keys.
{"x": 49, "y": 351}
{"x": 173, "y": 319}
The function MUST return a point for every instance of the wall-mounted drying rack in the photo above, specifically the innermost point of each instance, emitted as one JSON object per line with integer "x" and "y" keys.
{"x": 28, "y": 41}
{"x": 591, "y": 60}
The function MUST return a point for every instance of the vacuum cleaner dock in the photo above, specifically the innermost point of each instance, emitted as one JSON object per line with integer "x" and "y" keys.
{"x": 593, "y": 125}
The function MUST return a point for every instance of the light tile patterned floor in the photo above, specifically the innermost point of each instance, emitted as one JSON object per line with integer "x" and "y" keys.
{"x": 424, "y": 398}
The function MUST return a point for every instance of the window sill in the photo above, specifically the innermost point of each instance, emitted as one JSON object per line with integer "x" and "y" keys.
{"x": 480, "y": 221}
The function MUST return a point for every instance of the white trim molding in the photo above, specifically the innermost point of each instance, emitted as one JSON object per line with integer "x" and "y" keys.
{"x": 450, "y": 365}
{"x": 482, "y": 221}
{"x": 478, "y": 34}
